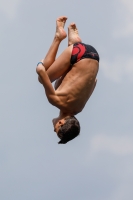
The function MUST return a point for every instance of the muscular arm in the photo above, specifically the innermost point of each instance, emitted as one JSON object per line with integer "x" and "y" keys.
{"x": 49, "y": 90}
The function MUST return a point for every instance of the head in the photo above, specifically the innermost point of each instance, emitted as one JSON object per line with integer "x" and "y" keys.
{"x": 67, "y": 129}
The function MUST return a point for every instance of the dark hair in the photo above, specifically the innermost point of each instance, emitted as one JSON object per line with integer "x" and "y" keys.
{"x": 69, "y": 130}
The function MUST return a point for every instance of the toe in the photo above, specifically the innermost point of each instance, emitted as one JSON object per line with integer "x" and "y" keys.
{"x": 62, "y": 18}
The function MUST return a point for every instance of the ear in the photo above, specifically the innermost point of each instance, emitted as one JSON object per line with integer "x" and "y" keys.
{"x": 61, "y": 122}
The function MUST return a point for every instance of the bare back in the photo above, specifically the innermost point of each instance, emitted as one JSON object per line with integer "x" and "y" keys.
{"x": 77, "y": 86}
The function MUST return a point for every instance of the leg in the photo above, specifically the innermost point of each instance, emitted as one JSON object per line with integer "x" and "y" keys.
{"x": 62, "y": 65}
{"x": 59, "y": 36}
{"x": 59, "y": 67}
{"x": 73, "y": 35}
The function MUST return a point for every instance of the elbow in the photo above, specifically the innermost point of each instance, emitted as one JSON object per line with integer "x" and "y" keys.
{"x": 53, "y": 100}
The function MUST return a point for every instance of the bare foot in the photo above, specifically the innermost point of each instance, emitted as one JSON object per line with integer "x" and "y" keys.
{"x": 73, "y": 35}
{"x": 60, "y": 32}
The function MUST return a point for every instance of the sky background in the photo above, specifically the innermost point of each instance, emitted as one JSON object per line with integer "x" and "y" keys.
{"x": 97, "y": 165}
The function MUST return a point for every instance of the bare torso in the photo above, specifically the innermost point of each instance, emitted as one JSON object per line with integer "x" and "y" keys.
{"x": 77, "y": 86}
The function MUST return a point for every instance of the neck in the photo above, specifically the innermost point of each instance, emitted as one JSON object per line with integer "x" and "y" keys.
{"x": 63, "y": 115}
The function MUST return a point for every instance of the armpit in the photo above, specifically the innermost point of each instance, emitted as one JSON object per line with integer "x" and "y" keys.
{"x": 57, "y": 83}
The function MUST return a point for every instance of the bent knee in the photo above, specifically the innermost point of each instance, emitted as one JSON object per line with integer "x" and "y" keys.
{"x": 40, "y": 69}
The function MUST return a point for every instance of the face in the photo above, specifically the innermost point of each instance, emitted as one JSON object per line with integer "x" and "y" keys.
{"x": 57, "y": 124}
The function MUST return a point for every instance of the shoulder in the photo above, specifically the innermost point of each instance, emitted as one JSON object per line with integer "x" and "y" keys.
{"x": 59, "y": 100}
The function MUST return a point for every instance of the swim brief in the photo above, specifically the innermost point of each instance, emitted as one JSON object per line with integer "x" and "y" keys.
{"x": 81, "y": 51}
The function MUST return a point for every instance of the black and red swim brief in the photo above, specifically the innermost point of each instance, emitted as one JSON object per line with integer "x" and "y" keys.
{"x": 81, "y": 51}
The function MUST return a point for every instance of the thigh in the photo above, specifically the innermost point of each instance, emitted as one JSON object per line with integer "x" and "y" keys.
{"x": 61, "y": 65}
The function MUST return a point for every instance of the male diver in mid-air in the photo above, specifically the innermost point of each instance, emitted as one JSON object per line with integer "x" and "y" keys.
{"x": 75, "y": 72}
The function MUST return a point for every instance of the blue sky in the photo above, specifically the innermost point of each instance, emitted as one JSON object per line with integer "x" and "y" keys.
{"x": 98, "y": 164}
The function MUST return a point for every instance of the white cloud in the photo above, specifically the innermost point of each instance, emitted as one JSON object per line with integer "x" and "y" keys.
{"x": 117, "y": 145}
{"x": 128, "y": 4}
{"x": 121, "y": 67}
{"x": 126, "y": 19}
{"x": 9, "y": 7}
